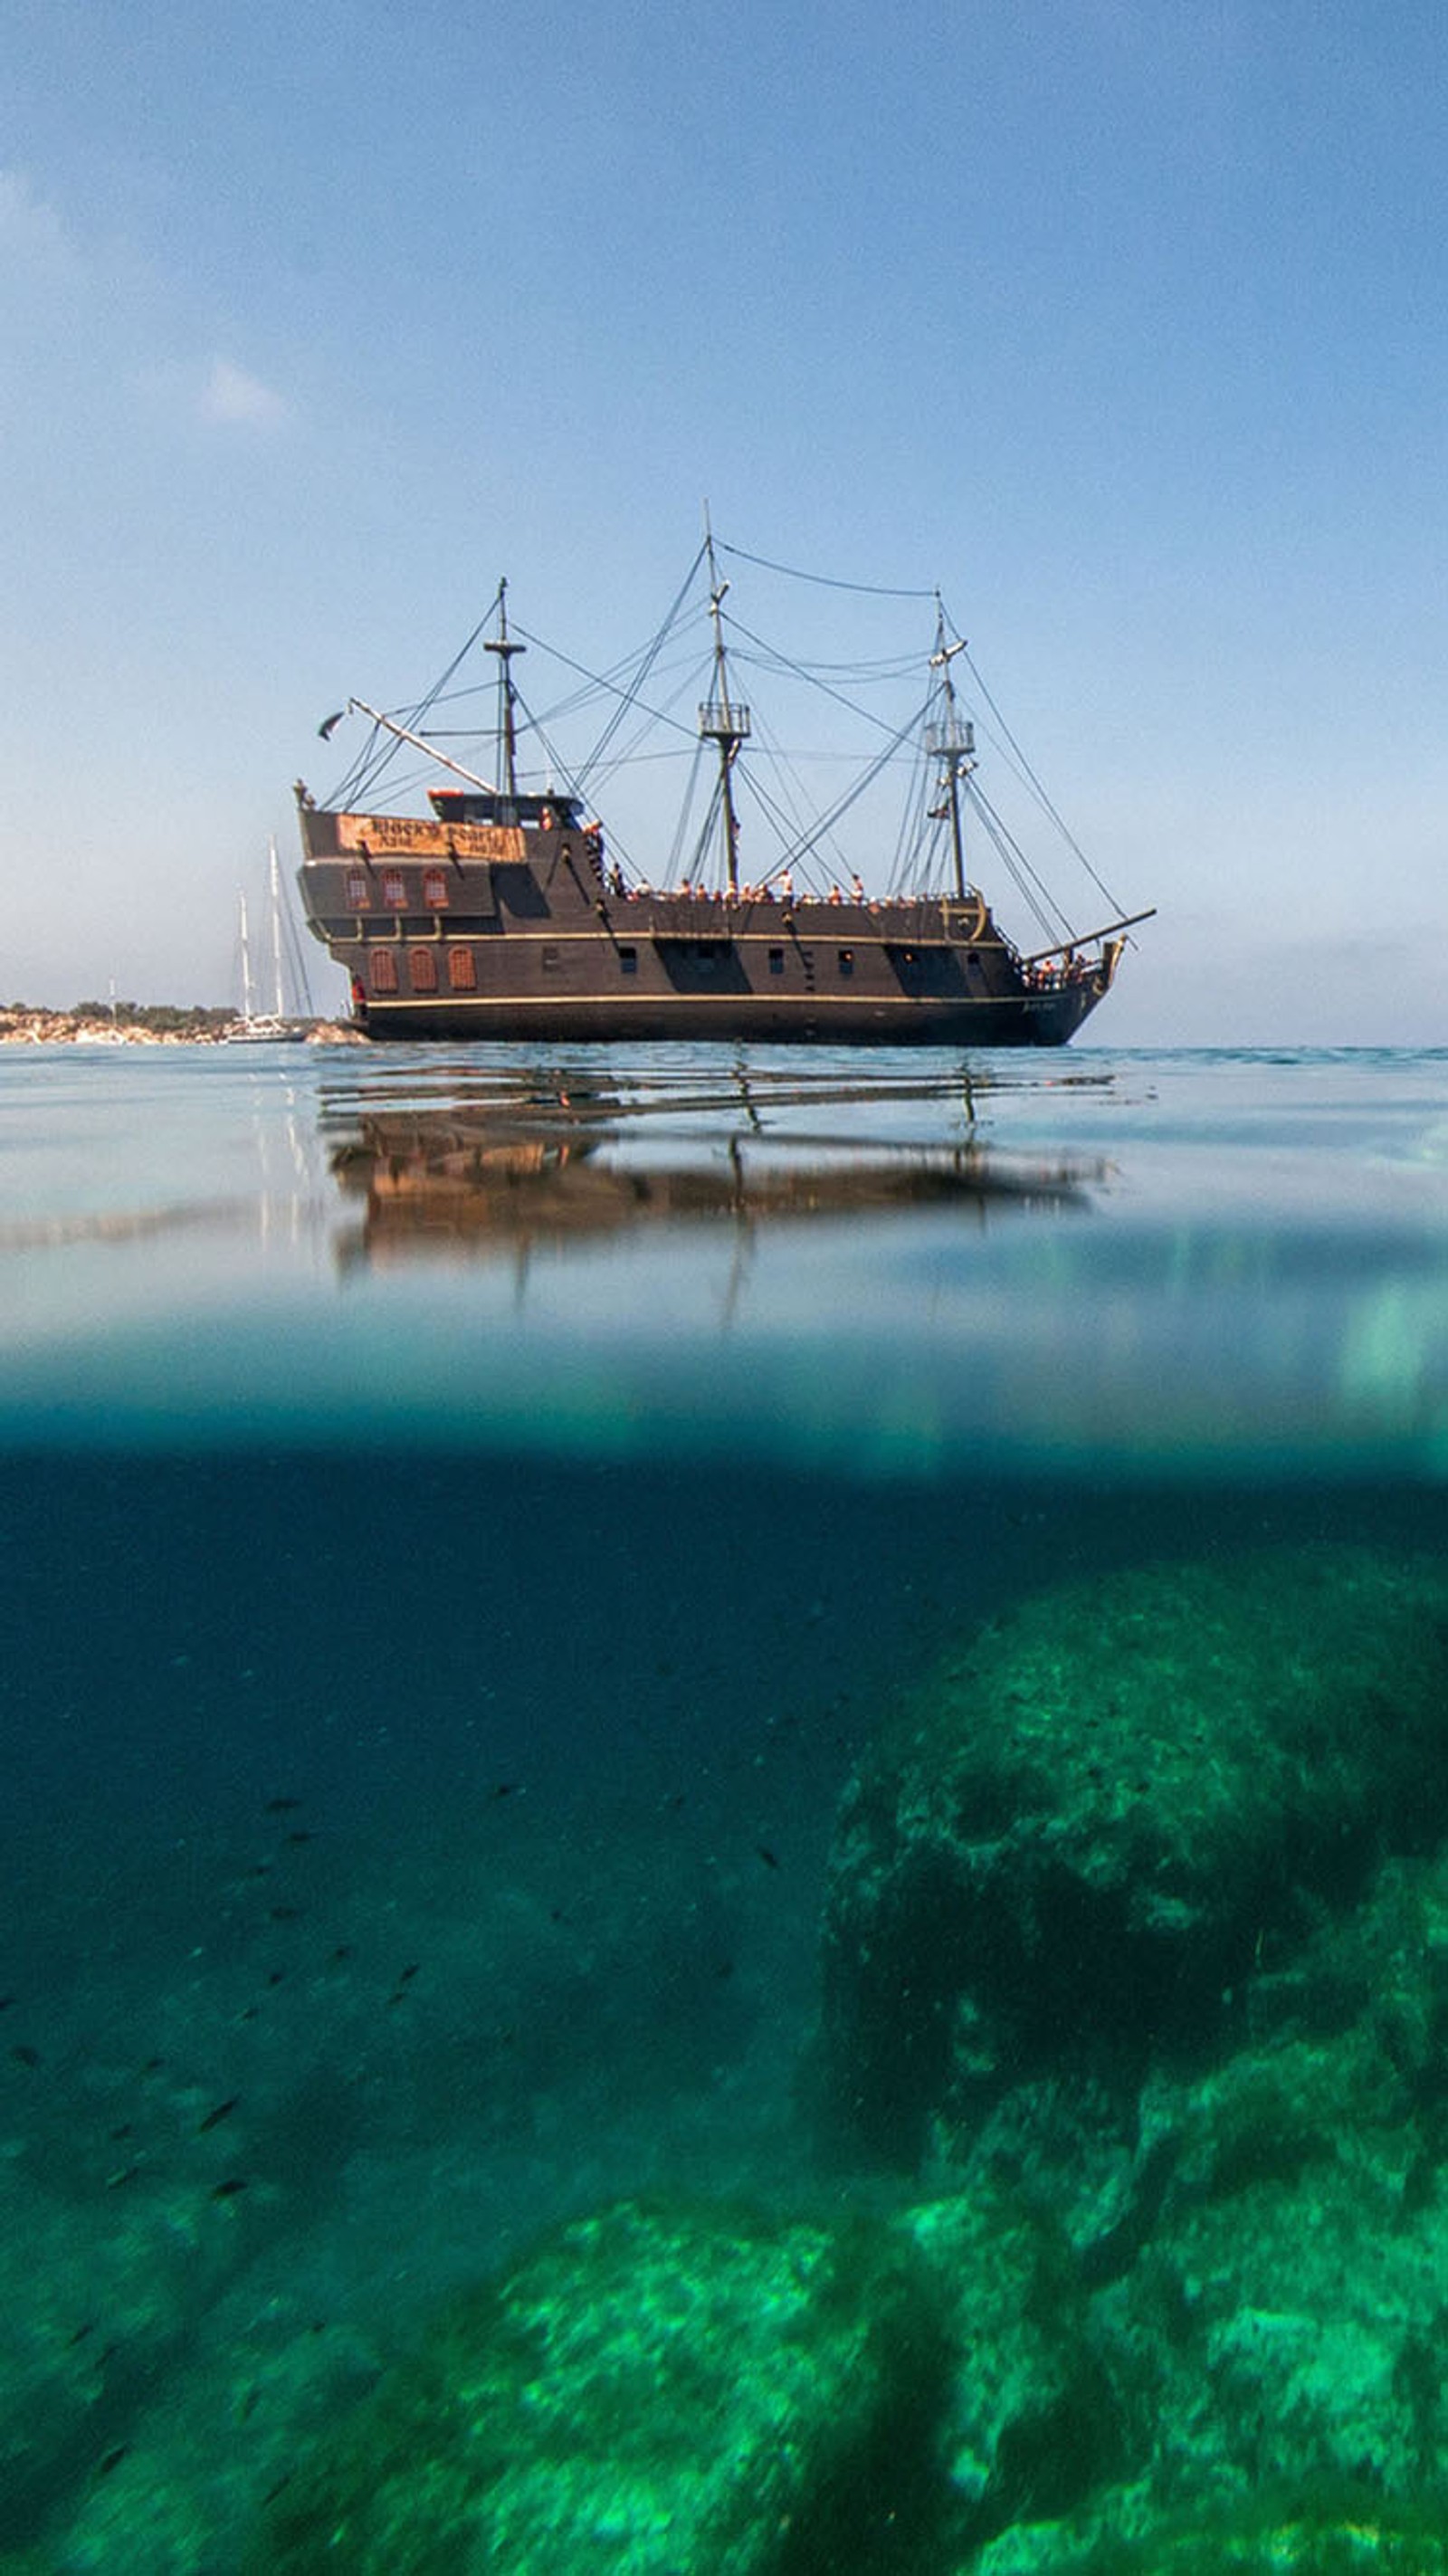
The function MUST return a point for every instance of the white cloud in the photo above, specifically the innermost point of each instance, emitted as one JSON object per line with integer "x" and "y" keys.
{"x": 230, "y": 394}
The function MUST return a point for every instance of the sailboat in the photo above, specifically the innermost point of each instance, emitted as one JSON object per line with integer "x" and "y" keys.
{"x": 501, "y": 914}
{"x": 264, "y": 1028}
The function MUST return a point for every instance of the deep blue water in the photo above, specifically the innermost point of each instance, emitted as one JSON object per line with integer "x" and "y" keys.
{"x": 461, "y": 1515}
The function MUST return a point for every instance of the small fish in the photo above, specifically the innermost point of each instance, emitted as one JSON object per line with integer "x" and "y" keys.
{"x": 25, "y": 2055}
{"x": 122, "y": 2175}
{"x": 506, "y": 1789}
{"x": 769, "y": 1858}
{"x": 6, "y": 2001}
{"x": 111, "y": 2459}
{"x": 275, "y": 1976}
{"x": 228, "y": 2190}
{"x": 301, "y": 1835}
{"x": 282, "y": 1806}
{"x": 406, "y": 1975}
{"x": 284, "y": 1913}
{"x": 276, "y": 2489}
{"x": 80, "y": 2333}
{"x": 342, "y": 1951}
{"x": 223, "y": 2111}
{"x": 127, "y": 2129}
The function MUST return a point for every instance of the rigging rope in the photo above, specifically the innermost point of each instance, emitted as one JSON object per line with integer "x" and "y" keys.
{"x": 629, "y": 697}
{"x": 1028, "y": 773}
{"x": 821, "y": 580}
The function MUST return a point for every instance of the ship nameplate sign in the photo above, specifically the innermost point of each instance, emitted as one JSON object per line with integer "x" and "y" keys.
{"x": 405, "y": 836}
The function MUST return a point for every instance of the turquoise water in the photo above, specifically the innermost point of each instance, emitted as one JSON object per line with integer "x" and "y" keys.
{"x": 466, "y": 1516}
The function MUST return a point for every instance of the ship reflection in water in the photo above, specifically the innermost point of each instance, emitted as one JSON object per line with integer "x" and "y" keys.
{"x": 548, "y": 1161}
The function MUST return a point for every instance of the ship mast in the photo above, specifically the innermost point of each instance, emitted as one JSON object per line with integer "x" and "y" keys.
{"x": 723, "y": 721}
{"x": 503, "y": 645}
{"x": 951, "y": 741}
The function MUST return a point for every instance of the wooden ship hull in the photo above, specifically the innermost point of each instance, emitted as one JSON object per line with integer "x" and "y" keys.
{"x": 524, "y": 938}
{"x": 498, "y": 913}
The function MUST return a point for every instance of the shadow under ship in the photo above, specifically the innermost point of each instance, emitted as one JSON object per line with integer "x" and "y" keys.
{"x": 503, "y": 914}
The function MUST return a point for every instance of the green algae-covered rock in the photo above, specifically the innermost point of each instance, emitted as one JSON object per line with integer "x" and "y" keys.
{"x": 1336, "y": 2534}
{"x": 651, "y": 2392}
{"x": 1282, "y": 2319}
{"x": 1090, "y": 1822}
{"x": 1033, "y": 2421}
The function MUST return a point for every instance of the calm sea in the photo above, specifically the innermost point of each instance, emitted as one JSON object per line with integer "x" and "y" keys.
{"x": 464, "y": 1514}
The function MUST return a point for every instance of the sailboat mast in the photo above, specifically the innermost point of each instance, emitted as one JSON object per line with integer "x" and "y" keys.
{"x": 246, "y": 1010}
{"x": 503, "y": 645}
{"x": 951, "y": 741}
{"x": 276, "y": 922}
{"x": 723, "y": 721}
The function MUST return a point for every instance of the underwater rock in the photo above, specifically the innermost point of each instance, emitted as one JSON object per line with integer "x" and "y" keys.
{"x": 1088, "y": 1824}
{"x": 1337, "y": 2533}
{"x": 1283, "y": 2319}
{"x": 650, "y": 2391}
{"x": 1033, "y": 2422}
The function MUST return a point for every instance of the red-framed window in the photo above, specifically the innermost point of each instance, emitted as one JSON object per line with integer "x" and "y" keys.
{"x": 394, "y": 889}
{"x": 359, "y": 890}
{"x": 462, "y": 972}
{"x": 382, "y": 970}
{"x": 434, "y": 890}
{"x": 422, "y": 966}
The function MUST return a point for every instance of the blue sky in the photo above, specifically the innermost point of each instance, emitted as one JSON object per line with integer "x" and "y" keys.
{"x": 1123, "y": 323}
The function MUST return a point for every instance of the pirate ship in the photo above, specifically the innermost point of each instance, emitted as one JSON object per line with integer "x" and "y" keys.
{"x": 504, "y": 911}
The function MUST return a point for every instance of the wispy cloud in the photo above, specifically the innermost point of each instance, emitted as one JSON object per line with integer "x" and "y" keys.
{"x": 77, "y": 308}
{"x": 32, "y": 236}
{"x": 231, "y": 395}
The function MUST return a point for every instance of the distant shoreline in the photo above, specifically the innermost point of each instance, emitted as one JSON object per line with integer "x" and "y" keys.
{"x": 143, "y": 1024}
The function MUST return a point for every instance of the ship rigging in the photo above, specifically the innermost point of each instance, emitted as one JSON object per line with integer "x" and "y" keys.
{"x": 583, "y": 943}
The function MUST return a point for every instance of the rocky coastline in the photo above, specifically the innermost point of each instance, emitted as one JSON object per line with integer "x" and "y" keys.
{"x": 142, "y": 1024}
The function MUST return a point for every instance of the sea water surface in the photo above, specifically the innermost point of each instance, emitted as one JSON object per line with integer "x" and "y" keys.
{"x": 466, "y": 1515}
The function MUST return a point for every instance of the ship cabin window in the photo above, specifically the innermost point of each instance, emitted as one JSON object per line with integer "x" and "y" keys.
{"x": 461, "y": 970}
{"x": 394, "y": 889}
{"x": 550, "y": 957}
{"x": 359, "y": 890}
{"x": 434, "y": 889}
{"x": 847, "y": 961}
{"x": 776, "y": 961}
{"x": 382, "y": 970}
{"x": 422, "y": 966}
{"x": 628, "y": 959}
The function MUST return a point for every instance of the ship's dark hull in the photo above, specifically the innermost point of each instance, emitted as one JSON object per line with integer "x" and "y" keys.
{"x": 1036, "y": 1021}
{"x": 463, "y": 931}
